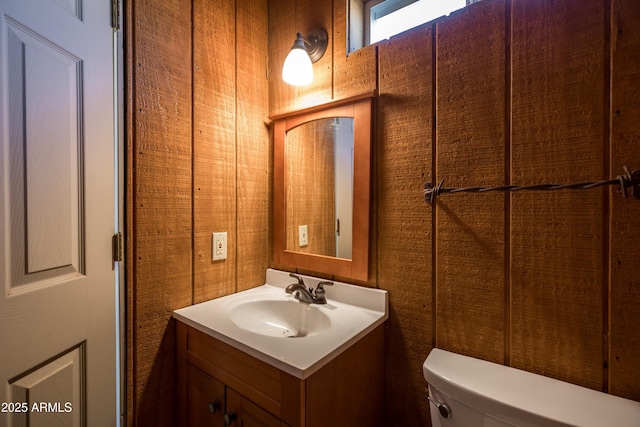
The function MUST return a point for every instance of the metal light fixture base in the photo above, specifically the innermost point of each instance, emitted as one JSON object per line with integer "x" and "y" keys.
{"x": 316, "y": 43}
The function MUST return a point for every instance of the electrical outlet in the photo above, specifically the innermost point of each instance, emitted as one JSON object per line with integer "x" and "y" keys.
{"x": 218, "y": 246}
{"x": 304, "y": 235}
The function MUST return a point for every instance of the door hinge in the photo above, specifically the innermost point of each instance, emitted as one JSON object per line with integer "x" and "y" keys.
{"x": 115, "y": 14}
{"x": 117, "y": 254}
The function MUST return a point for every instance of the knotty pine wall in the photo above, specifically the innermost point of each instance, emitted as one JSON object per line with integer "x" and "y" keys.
{"x": 503, "y": 92}
{"x": 199, "y": 156}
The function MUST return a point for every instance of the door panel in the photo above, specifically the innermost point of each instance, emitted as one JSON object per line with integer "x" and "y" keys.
{"x": 61, "y": 377}
{"x": 45, "y": 152}
{"x": 57, "y": 203}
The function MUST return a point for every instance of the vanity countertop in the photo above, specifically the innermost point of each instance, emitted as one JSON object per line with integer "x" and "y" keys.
{"x": 352, "y": 312}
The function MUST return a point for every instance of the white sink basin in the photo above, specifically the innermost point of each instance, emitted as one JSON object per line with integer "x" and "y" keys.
{"x": 256, "y": 321}
{"x": 283, "y": 319}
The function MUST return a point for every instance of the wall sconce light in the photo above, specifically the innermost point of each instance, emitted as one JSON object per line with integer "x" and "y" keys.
{"x": 297, "y": 69}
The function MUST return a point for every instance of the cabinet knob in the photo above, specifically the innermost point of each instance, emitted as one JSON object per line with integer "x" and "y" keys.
{"x": 214, "y": 406}
{"x": 229, "y": 418}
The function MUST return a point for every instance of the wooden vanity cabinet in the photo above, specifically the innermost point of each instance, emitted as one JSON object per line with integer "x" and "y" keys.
{"x": 205, "y": 399}
{"x": 216, "y": 379}
{"x": 211, "y": 403}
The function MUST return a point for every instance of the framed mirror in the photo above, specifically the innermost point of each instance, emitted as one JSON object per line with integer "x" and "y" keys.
{"x": 322, "y": 173}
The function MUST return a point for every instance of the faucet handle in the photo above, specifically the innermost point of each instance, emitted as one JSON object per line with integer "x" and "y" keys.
{"x": 295, "y": 276}
{"x": 320, "y": 293}
{"x": 322, "y": 284}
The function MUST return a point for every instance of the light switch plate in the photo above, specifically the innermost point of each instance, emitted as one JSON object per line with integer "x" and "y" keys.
{"x": 218, "y": 246}
{"x": 304, "y": 236}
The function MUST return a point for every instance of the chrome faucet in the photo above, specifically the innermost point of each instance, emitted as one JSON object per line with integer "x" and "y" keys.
{"x": 302, "y": 294}
{"x": 307, "y": 295}
{"x": 320, "y": 297}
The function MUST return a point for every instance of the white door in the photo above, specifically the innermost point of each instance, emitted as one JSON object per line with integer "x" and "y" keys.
{"x": 57, "y": 198}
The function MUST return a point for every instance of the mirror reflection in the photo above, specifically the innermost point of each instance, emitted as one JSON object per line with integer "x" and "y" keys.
{"x": 319, "y": 193}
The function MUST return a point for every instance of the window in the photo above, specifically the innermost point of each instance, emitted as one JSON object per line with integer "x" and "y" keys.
{"x": 386, "y": 18}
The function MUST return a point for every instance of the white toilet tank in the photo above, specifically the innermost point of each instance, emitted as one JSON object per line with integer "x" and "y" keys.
{"x": 468, "y": 392}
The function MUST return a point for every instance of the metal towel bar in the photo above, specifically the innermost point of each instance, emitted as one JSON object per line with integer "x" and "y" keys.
{"x": 628, "y": 179}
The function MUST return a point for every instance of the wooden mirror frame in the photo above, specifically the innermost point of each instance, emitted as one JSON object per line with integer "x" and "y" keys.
{"x": 360, "y": 108}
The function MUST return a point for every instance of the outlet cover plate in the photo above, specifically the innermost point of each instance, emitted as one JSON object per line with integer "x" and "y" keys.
{"x": 218, "y": 246}
{"x": 304, "y": 235}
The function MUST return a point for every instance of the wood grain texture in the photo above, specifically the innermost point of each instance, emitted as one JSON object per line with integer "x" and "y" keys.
{"x": 356, "y": 268}
{"x": 404, "y": 222}
{"x": 311, "y": 15}
{"x": 310, "y": 181}
{"x": 624, "y": 291}
{"x": 254, "y": 147}
{"x": 282, "y": 32}
{"x": 358, "y": 371}
{"x": 214, "y": 146}
{"x": 244, "y": 373}
{"x": 250, "y": 414}
{"x": 559, "y": 254}
{"x": 228, "y": 107}
{"x": 313, "y": 402}
{"x": 130, "y": 259}
{"x": 253, "y": 378}
{"x": 557, "y": 238}
{"x": 160, "y": 277}
{"x": 200, "y": 390}
{"x": 354, "y": 73}
{"x": 470, "y": 135}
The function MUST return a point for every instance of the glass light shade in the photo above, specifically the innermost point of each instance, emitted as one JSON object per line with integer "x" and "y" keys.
{"x": 297, "y": 69}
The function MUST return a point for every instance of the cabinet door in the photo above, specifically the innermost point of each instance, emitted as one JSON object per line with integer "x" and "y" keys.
{"x": 241, "y": 412}
{"x": 205, "y": 399}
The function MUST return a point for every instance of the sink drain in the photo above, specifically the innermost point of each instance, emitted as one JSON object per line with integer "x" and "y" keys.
{"x": 289, "y": 334}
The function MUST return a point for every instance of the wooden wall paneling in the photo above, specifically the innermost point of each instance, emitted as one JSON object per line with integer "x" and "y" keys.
{"x": 159, "y": 278}
{"x": 282, "y": 32}
{"x": 624, "y": 292}
{"x": 404, "y": 220}
{"x": 354, "y": 369}
{"x": 130, "y": 259}
{"x": 310, "y": 15}
{"x": 558, "y": 266}
{"x": 471, "y": 228}
{"x": 357, "y": 72}
{"x": 214, "y": 146}
{"x": 253, "y": 143}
